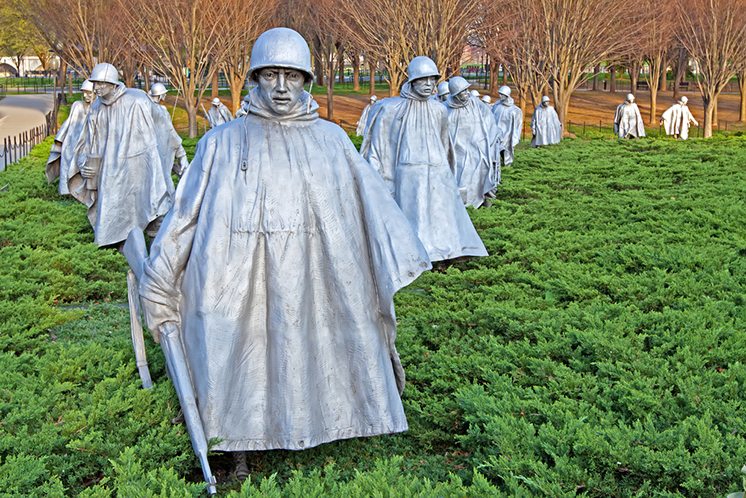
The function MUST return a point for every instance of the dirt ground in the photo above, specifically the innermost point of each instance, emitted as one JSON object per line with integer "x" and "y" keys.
{"x": 586, "y": 106}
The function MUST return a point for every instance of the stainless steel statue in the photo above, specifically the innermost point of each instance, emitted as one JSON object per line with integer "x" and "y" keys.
{"x": 276, "y": 270}
{"x": 63, "y": 148}
{"x": 443, "y": 91}
{"x": 474, "y": 135}
{"x": 546, "y": 128}
{"x": 509, "y": 120}
{"x": 173, "y": 156}
{"x": 407, "y": 141}
{"x": 677, "y": 119}
{"x": 117, "y": 170}
{"x": 244, "y": 109}
{"x": 487, "y": 100}
{"x": 218, "y": 113}
{"x": 627, "y": 119}
{"x": 363, "y": 121}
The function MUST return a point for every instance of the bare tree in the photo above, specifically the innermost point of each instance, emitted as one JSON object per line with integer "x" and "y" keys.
{"x": 742, "y": 90}
{"x": 180, "y": 39}
{"x": 655, "y": 45}
{"x": 574, "y": 36}
{"x": 249, "y": 20}
{"x": 714, "y": 33}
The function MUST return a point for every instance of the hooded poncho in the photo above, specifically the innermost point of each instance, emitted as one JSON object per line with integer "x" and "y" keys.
{"x": 130, "y": 188}
{"x": 279, "y": 261}
{"x": 628, "y": 121}
{"x": 407, "y": 141}
{"x": 218, "y": 114}
{"x": 509, "y": 119}
{"x": 677, "y": 119}
{"x": 546, "y": 127}
{"x": 473, "y": 133}
{"x": 63, "y": 149}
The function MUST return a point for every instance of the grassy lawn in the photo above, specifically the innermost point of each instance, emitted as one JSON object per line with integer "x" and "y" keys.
{"x": 598, "y": 351}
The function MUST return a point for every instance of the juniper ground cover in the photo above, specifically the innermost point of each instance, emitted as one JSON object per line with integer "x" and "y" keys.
{"x": 598, "y": 351}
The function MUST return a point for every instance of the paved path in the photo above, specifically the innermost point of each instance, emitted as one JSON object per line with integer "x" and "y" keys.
{"x": 19, "y": 113}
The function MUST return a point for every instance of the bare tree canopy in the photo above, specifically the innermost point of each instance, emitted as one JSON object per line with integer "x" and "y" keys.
{"x": 714, "y": 34}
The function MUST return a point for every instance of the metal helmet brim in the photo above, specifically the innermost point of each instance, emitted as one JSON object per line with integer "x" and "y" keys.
{"x": 282, "y": 48}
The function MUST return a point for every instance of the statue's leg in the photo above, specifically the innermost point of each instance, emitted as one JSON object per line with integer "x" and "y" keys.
{"x": 241, "y": 468}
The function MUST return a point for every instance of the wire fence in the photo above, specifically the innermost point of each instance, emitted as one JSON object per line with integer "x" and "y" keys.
{"x": 17, "y": 147}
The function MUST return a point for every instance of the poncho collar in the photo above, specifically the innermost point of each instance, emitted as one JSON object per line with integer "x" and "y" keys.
{"x": 408, "y": 93}
{"x": 455, "y": 104}
{"x": 113, "y": 96}
{"x": 508, "y": 102}
{"x": 306, "y": 109}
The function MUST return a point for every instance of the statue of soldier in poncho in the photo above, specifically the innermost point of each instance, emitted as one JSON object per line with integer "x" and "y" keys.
{"x": 509, "y": 118}
{"x": 360, "y": 131}
{"x": 677, "y": 119}
{"x": 117, "y": 170}
{"x": 279, "y": 262}
{"x": 627, "y": 119}
{"x": 173, "y": 156}
{"x": 546, "y": 127}
{"x": 218, "y": 113}
{"x": 408, "y": 142}
{"x": 63, "y": 148}
{"x": 474, "y": 135}
{"x": 243, "y": 110}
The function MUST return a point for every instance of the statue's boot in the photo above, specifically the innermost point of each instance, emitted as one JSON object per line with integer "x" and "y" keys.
{"x": 241, "y": 469}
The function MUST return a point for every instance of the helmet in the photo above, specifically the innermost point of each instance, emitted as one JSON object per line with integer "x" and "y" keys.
{"x": 373, "y": 98}
{"x": 545, "y": 98}
{"x": 157, "y": 89}
{"x": 216, "y": 101}
{"x": 630, "y": 97}
{"x": 421, "y": 67}
{"x": 504, "y": 90}
{"x": 457, "y": 84}
{"x": 104, "y": 72}
{"x": 443, "y": 89}
{"x": 281, "y": 47}
{"x": 486, "y": 99}
{"x": 86, "y": 86}
{"x": 684, "y": 99}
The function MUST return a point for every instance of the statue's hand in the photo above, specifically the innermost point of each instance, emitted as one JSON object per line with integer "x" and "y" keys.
{"x": 87, "y": 170}
{"x": 183, "y": 165}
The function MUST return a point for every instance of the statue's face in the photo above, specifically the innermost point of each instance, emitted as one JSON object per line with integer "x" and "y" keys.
{"x": 545, "y": 104}
{"x": 424, "y": 87}
{"x": 443, "y": 97}
{"x": 503, "y": 97}
{"x": 103, "y": 88}
{"x": 156, "y": 98}
{"x": 281, "y": 88}
{"x": 462, "y": 97}
{"x": 87, "y": 96}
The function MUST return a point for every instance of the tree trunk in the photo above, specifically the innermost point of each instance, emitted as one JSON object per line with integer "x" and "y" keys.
{"x": 190, "y": 103}
{"x": 330, "y": 87}
{"x": 235, "y": 83}
{"x": 318, "y": 63}
{"x": 715, "y": 113}
{"x": 494, "y": 74}
{"x": 596, "y": 69}
{"x": 62, "y": 79}
{"x": 215, "y": 86}
{"x": 341, "y": 66}
{"x": 634, "y": 77}
{"x": 612, "y": 79}
{"x": 709, "y": 108}
{"x": 562, "y": 104}
{"x": 742, "y": 89}
{"x": 653, "y": 84}
{"x": 505, "y": 75}
{"x": 372, "y": 79}
{"x": 146, "y": 77}
{"x": 664, "y": 81}
{"x": 355, "y": 72}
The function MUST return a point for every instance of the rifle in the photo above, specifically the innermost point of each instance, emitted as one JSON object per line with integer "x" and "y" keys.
{"x": 176, "y": 362}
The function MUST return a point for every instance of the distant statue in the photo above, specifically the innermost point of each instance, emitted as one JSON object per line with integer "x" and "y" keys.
{"x": 627, "y": 119}
{"x": 276, "y": 270}
{"x": 474, "y": 134}
{"x": 408, "y": 142}
{"x": 486, "y": 99}
{"x": 117, "y": 170}
{"x": 173, "y": 156}
{"x": 474, "y": 93}
{"x": 443, "y": 91}
{"x": 509, "y": 118}
{"x": 244, "y": 109}
{"x": 218, "y": 113}
{"x": 63, "y": 149}
{"x": 546, "y": 127}
{"x": 677, "y": 119}
{"x": 362, "y": 122}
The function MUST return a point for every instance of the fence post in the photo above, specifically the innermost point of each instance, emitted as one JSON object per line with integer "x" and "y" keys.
{"x": 583, "y": 128}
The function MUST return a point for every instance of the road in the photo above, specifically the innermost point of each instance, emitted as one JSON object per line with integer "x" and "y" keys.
{"x": 19, "y": 113}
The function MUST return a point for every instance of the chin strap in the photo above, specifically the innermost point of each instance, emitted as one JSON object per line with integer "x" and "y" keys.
{"x": 310, "y": 97}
